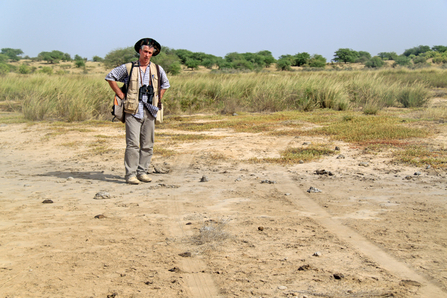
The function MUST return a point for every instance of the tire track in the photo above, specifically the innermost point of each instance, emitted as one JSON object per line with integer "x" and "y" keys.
{"x": 200, "y": 284}
{"x": 355, "y": 240}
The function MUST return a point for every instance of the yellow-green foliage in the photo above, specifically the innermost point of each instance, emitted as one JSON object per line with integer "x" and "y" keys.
{"x": 71, "y": 97}
{"x": 68, "y": 97}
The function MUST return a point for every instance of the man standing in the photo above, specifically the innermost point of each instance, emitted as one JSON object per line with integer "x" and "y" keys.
{"x": 147, "y": 84}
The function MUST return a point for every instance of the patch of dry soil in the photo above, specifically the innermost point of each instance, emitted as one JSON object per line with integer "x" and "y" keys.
{"x": 249, "y": 230}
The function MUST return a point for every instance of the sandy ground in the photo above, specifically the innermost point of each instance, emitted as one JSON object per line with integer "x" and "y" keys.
{"x": 247, "y": 230}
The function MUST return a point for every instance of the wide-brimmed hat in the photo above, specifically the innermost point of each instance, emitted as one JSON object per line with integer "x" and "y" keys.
{"x": 148, "y": 42}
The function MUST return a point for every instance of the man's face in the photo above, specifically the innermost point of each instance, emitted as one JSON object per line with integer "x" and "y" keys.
{"x": 146, "y": 54}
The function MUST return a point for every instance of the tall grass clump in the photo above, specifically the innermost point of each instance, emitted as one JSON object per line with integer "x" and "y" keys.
{"x": 68, "y": 97}
{"x": 73, "y": 97}
{"x": 412, "y": 96}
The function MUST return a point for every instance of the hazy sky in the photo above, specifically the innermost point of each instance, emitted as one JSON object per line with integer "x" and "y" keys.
{"x": 95, "y": 27}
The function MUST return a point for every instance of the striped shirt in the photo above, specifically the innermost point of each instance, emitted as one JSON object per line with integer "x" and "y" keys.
{"x": 120, "y": 74}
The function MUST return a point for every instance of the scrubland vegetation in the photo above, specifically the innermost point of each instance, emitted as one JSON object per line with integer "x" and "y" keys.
{"x": 362, "y": 105}
{"x": 77, "y": 97}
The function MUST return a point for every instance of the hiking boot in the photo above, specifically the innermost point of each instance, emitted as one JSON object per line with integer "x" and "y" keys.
{"x": 144, "y": 178}
{"x": 132, "y": 180}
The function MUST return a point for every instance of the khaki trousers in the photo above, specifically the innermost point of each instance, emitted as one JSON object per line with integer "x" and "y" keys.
{"x": 139, "y": 144}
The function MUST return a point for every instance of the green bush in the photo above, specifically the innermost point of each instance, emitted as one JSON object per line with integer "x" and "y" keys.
{"x": 419, "y": 60}
{"x": 79, "y": 63}
{"x": 402, "y": 61}
{"x": 24, "y": 69}
{"x": 374, "y": 62}
{"x": 317, "y": 61}
{"x": 284, "y": 64}
{"x": 47, "y": 70}
{"x": 120, "y": 56}
{"x": 4, "y": 69}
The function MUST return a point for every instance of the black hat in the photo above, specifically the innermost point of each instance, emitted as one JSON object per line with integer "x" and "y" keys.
{"x": 148, "y": 42}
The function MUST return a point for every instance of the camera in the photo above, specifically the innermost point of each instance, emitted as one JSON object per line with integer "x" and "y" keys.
{"x": 148, "y": 91}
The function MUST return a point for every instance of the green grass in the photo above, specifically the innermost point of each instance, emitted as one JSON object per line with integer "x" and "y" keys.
{"x": 72, "y": 97}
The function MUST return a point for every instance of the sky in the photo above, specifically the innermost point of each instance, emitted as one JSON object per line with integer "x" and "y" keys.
{"x": 96, "y": 27}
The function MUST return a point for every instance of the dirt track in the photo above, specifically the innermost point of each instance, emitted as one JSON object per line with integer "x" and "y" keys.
{"x": 371, "y": 232}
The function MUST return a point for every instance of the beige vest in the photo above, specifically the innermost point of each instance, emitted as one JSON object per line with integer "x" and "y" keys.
{"x": 131, "y": 102}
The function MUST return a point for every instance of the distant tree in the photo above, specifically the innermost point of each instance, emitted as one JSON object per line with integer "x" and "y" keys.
{"x": 183, "y": 55}
{"x": 97, "y": 59}
{"x": 120, "y": 56}
{"x": 288, "y": 57}
{"x": 416, "y": 51}
{"x": 388, "y": 55}
{"x": 317, "y": 61}
{"x": 192, "y": 63}
{"x": 301, "y": 59}
{"x": 258, "y": 61}
{"x": 168, "y": 60}
{"x": 346, "y": 55}
{"x": 440, "y": 49}
{"x": 77, "y": 57}
{"x": 12, "y": 53}
{"x": 53, "y": 56}
{"x": 67, "y": 57}
{"x": 363, "y": 57}
{"x": 283, "y": 63}
{"x": 224, "y": 64}
{"x": 209, "y": 63}
{"x": 231, "y": 57}
{"x": 374, "y": 62}
{"x": 268, "y": 57}
{"x": 242, "y": 65}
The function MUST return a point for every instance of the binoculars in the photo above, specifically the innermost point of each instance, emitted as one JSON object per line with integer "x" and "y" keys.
{"x": 148, "y": 91}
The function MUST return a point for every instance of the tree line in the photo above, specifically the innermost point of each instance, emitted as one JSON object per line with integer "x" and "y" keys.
{"x": 173, "y": 61}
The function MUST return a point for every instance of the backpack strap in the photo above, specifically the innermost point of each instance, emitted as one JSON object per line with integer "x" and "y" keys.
{"x": 159, "y": 87}
{"x": 129, "y": 67}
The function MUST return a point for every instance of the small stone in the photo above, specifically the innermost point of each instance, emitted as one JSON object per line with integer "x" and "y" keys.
{"x": 175, "y": 269}
{"x": 338, "y": 275}
{"x": 313, "y": 190}
{"x": 304, "y": 267}
{"x": 268, "y": 181}
{"x": 287, "y": 194}
{"x": 47, "y": 202}
{"x": 337, "y": 148}
{"x": 317, "y": 254}
{"x": 204, "y": 179}
{"x": 70, "y": 178}
{"x": 260, "y": 228}
{"x": 408, "y": 177}
{"x": 185, "y": 254}
{"x": 364, "y": 164}
{"x": 100, "y": 216}
{"x": 234, "y": 114}
{"x": 307, "y": 143}
{"x": 428, "y": 167}
{"x": 341, "y": 156}
{"x": 408, "y": 282}
{"x": 417, "y": 173}
{"x": 103, "y": 195}
{"x": 301, "y": 161}
{"x": 282, "y": 288}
